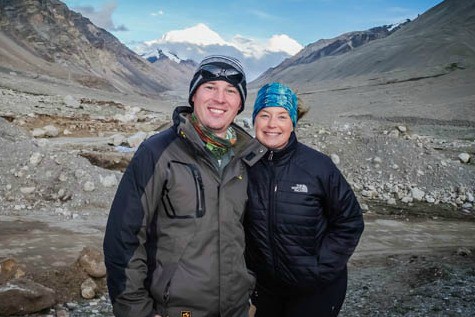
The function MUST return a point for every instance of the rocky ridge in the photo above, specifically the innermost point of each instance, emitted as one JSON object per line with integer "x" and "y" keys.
{"x": 45, "y": 38}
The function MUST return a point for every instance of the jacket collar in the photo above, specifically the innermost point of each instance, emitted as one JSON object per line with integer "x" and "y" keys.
{"x": 245, "y": 143}
{"x": 279, "y": 155}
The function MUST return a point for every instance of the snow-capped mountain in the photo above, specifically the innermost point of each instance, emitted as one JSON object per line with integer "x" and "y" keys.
{"x": 199, "y": 41}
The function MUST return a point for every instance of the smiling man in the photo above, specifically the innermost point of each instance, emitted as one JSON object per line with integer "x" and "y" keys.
{"x": 174, "y": 242}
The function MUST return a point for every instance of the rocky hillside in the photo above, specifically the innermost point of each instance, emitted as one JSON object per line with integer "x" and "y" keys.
{"x": 44, "y": 38}
{"x": 439, "y": 41}
{"x": 332, "y": 47}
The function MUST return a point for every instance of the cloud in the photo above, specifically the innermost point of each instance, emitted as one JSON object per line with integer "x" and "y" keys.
{"x": 282, "y": 42}
{"x": 198, "y": 41}
{"x": 103, "y": 17}
{"x": 158, "y": 13}
{"x": 262, "y": 15}
{"x": 199, "y": 34}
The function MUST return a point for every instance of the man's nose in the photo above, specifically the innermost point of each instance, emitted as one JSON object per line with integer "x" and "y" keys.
{"x": 220, "y": 95}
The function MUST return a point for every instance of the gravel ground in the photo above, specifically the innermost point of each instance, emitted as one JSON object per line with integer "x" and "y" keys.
{"x": 436, "y": 283}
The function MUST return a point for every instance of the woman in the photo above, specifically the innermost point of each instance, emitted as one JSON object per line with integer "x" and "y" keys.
{"x": 303, "y": 220}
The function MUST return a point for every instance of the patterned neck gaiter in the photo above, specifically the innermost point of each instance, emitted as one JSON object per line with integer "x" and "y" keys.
{"x": 216, "y": 145}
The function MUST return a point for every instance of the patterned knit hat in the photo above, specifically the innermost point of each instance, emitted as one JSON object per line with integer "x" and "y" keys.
{"x": 276, "y": 95}
{"x": 220, "y": 67}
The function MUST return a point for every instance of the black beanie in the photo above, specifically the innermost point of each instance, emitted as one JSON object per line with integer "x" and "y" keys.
{"x": 225, "y": 62}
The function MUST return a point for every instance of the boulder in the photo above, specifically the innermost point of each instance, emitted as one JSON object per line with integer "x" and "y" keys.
{"x": 23, "y": 296}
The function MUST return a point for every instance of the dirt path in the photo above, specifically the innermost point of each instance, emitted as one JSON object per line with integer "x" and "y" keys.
{"x": 384, "y": 236}
{"x": 42, "y": 242}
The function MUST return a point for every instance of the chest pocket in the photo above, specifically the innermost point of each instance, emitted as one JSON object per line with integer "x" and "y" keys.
{"x": 183, "y": 191}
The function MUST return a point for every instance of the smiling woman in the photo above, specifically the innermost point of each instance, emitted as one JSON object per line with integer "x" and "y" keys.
{"x": 303, "y": 221}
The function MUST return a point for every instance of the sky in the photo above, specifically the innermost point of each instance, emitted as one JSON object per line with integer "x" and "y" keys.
{"x": 302, "y": 21}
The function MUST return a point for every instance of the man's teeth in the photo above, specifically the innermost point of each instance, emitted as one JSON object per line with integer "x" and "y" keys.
{"x": 218, "y": 111}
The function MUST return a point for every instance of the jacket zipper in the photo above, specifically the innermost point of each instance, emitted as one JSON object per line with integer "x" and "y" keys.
{"x": 199, "y": 191}
{"x": 271, "y": 219}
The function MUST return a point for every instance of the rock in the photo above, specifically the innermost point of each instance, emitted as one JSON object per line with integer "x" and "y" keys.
{"x": 10, "y": 269}
{"x": 135, "y": 140}
{"x": 391, "y": 201}
{"x": 89, "y": 186}
{"x": 88, "y": 289}
{"x": 402, "y": 128}
{"x": 36, "y": 158}
{"x": 51, "y": 131}
{"x": 470, "y": 197}
{"x": 128, "y": 117}
{"x": 417, "y": 194}
{"x": 364, "y": 207}
{"x": 335, "y": 158}
{"x": 464, "y": 251}
{"x": 38, "y": 133}
{"x": 464, "y": 157}
{"x": 394, "y": 133}
{"x": 108, "y": 181}
{"x": 71, "y": 102}
{"x": 92, "y": 261}
{"x": 23, "y": 296}
{"x": 79, "y": 173}
{"x": 27, "y": 190}
{"x": 116, "y": 139}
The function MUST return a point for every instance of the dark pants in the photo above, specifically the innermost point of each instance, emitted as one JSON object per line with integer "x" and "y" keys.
{"x": 325, "y": 302}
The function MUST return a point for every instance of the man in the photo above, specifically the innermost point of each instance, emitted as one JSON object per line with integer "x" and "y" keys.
{"x": 174, "y": 242}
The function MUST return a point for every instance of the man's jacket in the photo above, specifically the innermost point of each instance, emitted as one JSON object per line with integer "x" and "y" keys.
{"x": 303, "y": 221}
{"x": 174, "y": 241}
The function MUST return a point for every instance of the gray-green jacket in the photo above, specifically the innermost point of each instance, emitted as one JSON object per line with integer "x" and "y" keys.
{"x": 174, "y": 240}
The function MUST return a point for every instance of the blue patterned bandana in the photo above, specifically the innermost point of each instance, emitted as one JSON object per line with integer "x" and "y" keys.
{"x": 276, "y": 95}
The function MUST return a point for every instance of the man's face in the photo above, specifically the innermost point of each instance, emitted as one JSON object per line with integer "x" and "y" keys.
{"x": 216, "y": 104}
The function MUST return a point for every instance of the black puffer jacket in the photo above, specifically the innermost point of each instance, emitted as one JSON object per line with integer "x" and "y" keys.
{"x": 303, "y": 221}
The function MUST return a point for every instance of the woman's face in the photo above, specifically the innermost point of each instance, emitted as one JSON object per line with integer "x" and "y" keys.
{"x": 273, "y": 127}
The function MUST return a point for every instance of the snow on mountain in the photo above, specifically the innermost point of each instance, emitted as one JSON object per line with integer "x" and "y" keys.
{"x": 198, "y": 41}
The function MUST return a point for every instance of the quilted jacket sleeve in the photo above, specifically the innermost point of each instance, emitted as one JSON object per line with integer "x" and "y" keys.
{"x": 345, "y": 226}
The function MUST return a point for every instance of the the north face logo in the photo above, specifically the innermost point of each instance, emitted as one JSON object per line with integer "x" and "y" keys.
{"x": 300, "y": 188}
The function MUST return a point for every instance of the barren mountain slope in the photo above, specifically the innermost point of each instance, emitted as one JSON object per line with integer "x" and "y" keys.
{"x": 47, "y": 39}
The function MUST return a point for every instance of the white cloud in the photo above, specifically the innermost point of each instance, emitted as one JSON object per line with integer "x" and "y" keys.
{"x": 103, "y": 17}
{"x": 158, "y": 13}
{"x": 284, "y": 43}
{"x": 199, "y": 34}
{"x": 196, "y": 42}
